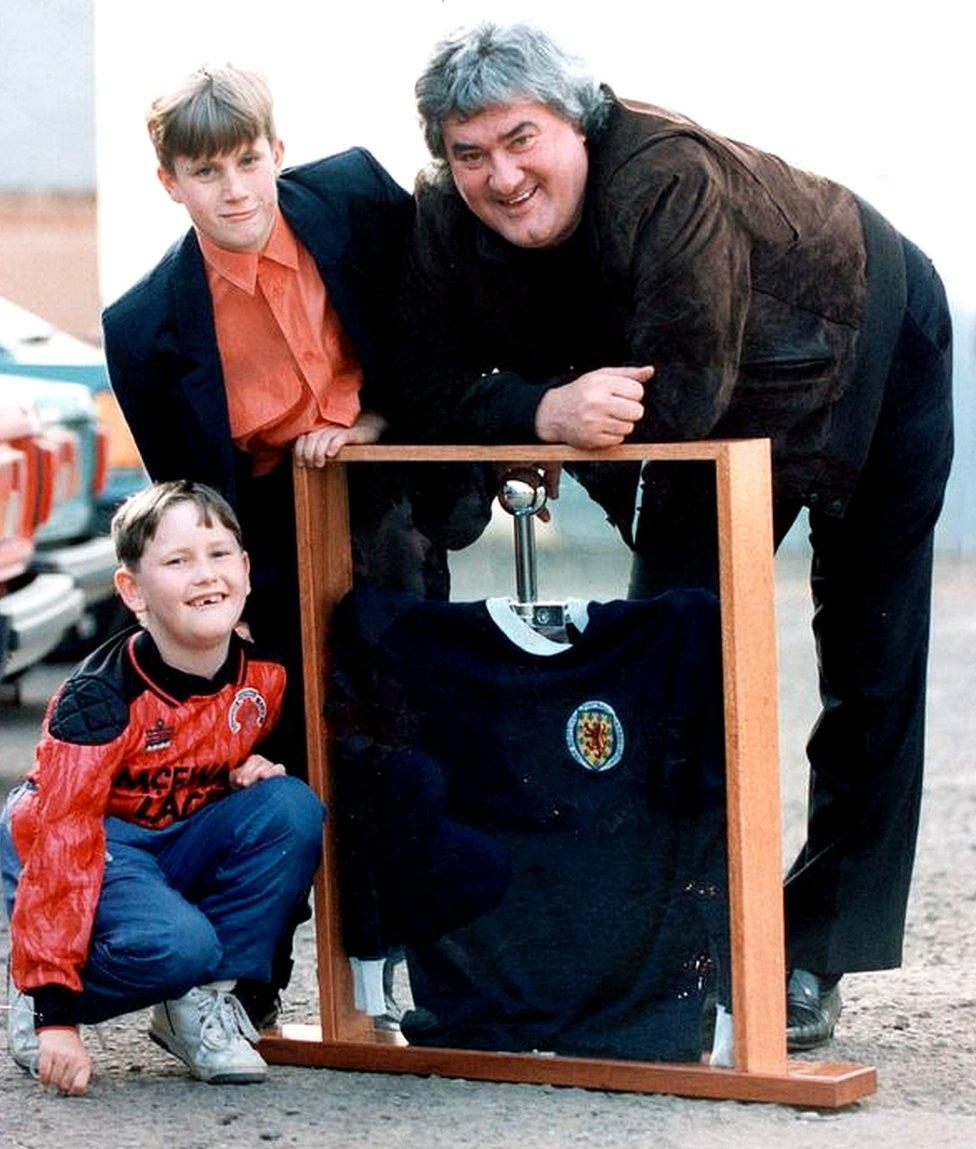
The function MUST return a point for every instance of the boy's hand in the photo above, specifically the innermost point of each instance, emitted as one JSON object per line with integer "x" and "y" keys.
{"x": 62, "y": 1061}
{"x": 314, "y": 447}
{"x": 255, "y": 769}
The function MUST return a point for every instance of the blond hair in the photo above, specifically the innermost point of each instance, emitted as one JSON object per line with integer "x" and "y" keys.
{"x": 215, "y": 110}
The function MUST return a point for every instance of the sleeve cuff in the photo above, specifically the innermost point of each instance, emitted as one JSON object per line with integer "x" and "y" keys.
{"x": 511, "y": 415}
{"x": 54, "y": 1005}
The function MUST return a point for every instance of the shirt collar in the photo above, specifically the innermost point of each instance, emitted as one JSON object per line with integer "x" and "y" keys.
{"x": 241, "y": 267}
{"x": 179, "y": 685}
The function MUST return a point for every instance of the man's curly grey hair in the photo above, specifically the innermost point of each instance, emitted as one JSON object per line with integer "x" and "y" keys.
{"x": 490, "y": 65}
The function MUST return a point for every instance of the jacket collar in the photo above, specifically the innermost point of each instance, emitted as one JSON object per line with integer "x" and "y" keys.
{"x": 190, "y": 303}
{"x": 326, "y": 235}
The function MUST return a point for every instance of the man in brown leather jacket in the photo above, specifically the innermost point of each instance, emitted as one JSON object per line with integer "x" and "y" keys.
{"x": 588, "y": 271}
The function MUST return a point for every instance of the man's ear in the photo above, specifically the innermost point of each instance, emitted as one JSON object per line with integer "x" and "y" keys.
{"x": 127, "y": 585}
{"x": 278, "y": 154}
{"x": 170, "y": 183}
{"x": 247, "y": 570}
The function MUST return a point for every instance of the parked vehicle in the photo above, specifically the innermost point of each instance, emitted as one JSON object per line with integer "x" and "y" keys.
{"x": 30, "y": 346}
{"x": 72, "y": 390}
{"x": 69, "y": 541}
{"x": 39, "y": 471}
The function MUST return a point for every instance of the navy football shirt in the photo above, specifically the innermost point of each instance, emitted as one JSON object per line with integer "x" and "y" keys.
{"x": 541, "y": 824}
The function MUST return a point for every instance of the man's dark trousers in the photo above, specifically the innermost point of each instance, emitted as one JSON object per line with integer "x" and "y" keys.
{"x": 871, "y": 576}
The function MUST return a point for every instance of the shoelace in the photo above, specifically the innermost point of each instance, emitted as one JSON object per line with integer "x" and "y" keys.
{"x": 222, "y": 1019}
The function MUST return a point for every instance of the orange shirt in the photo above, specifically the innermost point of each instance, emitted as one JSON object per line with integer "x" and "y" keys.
{"x": 288, "y": 365}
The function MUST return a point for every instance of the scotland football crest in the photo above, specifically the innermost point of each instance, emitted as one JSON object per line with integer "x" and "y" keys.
{"x": 595, "y": 737}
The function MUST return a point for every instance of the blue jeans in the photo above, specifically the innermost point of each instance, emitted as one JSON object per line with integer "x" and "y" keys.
{"x": 202, "y": 900}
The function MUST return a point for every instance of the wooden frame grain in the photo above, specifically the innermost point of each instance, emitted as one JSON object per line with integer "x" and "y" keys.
{"x": 345, "y": 1039}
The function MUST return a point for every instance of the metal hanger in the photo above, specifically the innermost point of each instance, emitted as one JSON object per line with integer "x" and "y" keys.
{"x": 523, "y": 496}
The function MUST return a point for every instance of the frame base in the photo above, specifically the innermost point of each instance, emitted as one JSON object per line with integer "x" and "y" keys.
{"x": 818, "y": 1084}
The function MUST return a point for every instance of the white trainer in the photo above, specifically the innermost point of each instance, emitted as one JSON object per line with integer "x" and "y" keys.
{"x": 206, "y": 1029}
{"x": 21, "y": 1035}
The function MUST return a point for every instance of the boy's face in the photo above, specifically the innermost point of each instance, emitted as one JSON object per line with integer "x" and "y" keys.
{"x": 232, "y": 197}
{"x": 189, "y": 588}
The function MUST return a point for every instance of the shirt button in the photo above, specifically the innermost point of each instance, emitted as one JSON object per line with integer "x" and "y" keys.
{"x": 835, "y": 507}
{"x": 814, "y": 498}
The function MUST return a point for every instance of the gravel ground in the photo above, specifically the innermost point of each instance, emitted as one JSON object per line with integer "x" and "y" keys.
{"x": 915, "y": 1024}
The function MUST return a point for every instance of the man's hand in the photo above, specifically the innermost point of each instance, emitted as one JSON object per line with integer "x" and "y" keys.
{"x": 255, "y": 769}
{"x": 599, "y": 409}
{"x": 548, "y": 473}
{"x": 314, "y": 447}
{"x": 62, "y": 1061}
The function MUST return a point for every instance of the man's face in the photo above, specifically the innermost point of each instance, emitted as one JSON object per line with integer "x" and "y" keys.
{"x": 521, "y": 168}
{"x": 190, "y": 585}
{"x": 231, "y": 198}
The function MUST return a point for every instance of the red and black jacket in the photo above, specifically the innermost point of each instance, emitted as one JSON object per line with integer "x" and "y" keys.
{"x": 131, "y": 737}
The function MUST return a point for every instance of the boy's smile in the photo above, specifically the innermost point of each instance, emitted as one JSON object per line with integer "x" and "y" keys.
{"x": 189, "y": 589}
{"x": 231, "y": 198}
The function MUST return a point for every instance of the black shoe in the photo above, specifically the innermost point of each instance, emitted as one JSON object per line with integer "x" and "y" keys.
{"x": 262, "y": 1002}
{"x": 812, "y": 1008}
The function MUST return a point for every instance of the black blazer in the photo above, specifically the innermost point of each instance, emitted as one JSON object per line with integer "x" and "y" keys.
{"x": 165, "y": 369}
{"x": 160, "y": 340}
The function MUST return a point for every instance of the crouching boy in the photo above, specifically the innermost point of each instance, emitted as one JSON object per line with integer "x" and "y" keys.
{"x": 155, "y": 854}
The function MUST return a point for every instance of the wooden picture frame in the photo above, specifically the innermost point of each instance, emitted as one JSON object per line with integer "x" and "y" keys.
{"x": 345, "y": 1038}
